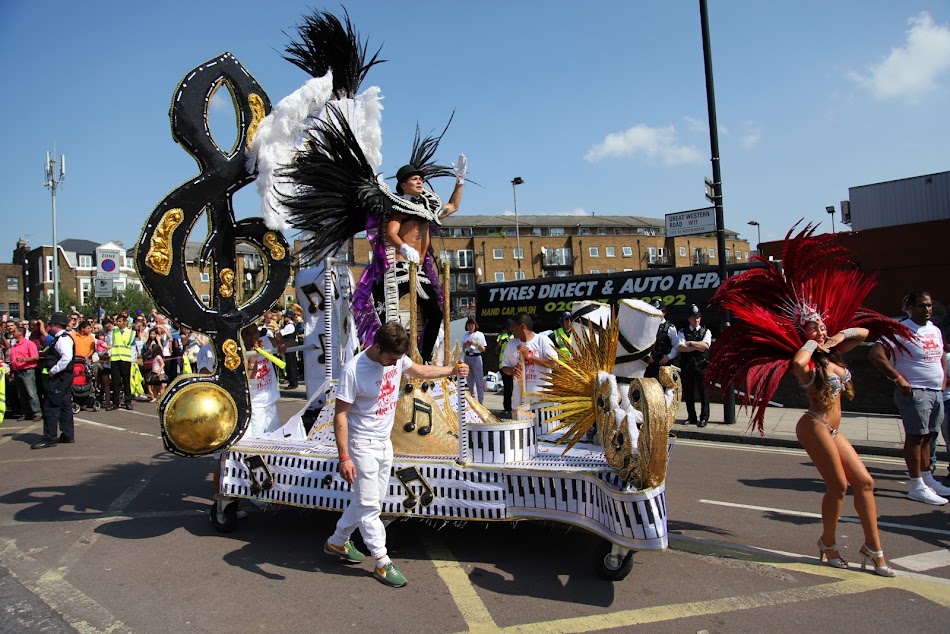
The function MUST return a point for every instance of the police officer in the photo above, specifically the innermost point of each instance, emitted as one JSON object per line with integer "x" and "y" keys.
{"x": 694, "y": 341}
{"x": 666, "y": 347}
{"x": 58, "y": 407}
{"x": 562, "y": 336}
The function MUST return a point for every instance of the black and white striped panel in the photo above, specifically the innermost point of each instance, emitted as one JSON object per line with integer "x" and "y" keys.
{"x": 639, "y": 517}
{"x": 502, "y": 443}
{"x": 297, "y": 481}
{"x": 465, "y": 494}
{"x": 543, "y": 418}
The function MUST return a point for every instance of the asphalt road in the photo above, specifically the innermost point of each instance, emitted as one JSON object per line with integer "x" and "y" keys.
{"x": 112, "y": 534}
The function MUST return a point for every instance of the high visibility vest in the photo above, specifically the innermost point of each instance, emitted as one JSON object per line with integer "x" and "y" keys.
{"x": 122, "y": 344}
{"x": 562, "y": 341}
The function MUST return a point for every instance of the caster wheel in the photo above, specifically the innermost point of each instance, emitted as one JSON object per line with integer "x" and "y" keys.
{"x": 611, "y": 565}
{"x": 96, "y": 406}
{"x": 76, "y": 408}
{"x": 224, "y": 517}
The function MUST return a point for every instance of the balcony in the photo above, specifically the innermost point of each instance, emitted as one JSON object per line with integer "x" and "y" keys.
{"x": 660, "y": 261}
{"x": 700, "y": 259}
{"x": 555, "y": 261}
{"x": 456, "y": 262}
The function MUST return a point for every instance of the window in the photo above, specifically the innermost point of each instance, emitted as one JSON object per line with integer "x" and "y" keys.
{"x": 499, "y": 277}
{"x": 738, "y": 254}
{"x": 728, "y": 252}
{"x": 651, "y": 254}
{"x": 560, "y": 257}
{"x": 593, "y": 252}
{"x": 498, "y": 254}
{"x": 466, "y": 282}
{"x": 205, "y": 298}
{"x": 682, "y": 252}
{"x": 445, "y": 256}
{"x": 85, "y": 261}
{"x": 618, "y": 231}
{"x": 628, "y": 252}
{"x": 557, "y": 231}
{"x": 627, "y": 270}
{"x": 49, "y": 268}
{"x": 610, "y": 251}
{"x": 466, "y": 258}
{"x": 594, "y": 271}
{"x": 518, "y": 253}
{"x": 585, "y": 231}
{"x": 712, "y": 254}
{"x": 13, "y": 283}
{"x": 536, "y": 231}
{"x": 519, "y": 275}
{"x": 461, "y": 232}
{"x": 14, "y": 311}
{"x": 611, "y": 270}
{"x": 602, "y": 231}
{"x": 562, "y": 273}
{"x": 205, "y": 277}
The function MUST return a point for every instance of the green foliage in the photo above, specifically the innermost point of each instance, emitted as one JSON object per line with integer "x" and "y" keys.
{"x": 131, "y": 299}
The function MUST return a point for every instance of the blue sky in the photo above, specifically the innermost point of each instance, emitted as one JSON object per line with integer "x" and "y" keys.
{"x": 599, "y": 106}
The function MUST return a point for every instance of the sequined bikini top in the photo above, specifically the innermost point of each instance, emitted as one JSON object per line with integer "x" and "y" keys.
{"x": 836, "y": 382}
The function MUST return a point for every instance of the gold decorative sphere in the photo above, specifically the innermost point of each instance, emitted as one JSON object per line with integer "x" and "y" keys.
{"x": 200, "y": 417}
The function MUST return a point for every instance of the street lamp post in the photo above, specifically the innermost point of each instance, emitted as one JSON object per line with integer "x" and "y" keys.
{"x": 53, "y": 182}
{"x": 517, "y": 180}
{"x": 831, "y": 211}
{"x": 758, "y": 230}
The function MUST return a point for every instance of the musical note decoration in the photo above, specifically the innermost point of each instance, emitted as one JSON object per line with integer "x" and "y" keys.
{"x": 411, "y": 474}
{"x": 201, "y": 414}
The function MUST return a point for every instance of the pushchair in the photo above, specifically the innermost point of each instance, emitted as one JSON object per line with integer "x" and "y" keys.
{"x": 85, "y": 390}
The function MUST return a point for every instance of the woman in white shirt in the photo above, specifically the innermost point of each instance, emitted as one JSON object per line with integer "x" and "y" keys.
{"x": 474, "y": 344}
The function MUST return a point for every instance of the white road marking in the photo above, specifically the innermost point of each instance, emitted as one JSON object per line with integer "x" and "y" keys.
{"x": 924, "y": 561}
{"x": 844, "y": 518}
{"x": 768, "y": 449}
{"x": 113, "y": 427}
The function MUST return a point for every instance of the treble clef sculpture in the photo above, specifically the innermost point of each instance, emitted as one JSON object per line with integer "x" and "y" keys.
{"x": 202, "y": 414}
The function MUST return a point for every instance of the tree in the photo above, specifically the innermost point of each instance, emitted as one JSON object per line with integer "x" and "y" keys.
{"x": 67, "y": 299}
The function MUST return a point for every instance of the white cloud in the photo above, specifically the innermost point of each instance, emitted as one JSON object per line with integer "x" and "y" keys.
{"x": 751, "y": 137}
{"x": 655, "y": 143}
{"x": 911, "y": 70}
{"x": 696, "y": 125}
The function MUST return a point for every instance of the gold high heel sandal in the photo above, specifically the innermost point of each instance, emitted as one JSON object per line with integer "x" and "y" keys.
{"x": 834, "y": 562}
{"x": 870, "y": 555}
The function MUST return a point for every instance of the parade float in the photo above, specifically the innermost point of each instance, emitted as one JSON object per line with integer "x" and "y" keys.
{"x": 590, "y": 452}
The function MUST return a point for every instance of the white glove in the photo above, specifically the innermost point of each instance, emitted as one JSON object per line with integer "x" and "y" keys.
{"x": 460, "y": 168}
{"x": 409, "y": 253}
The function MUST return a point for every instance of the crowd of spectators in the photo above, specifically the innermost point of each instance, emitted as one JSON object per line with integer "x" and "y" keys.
{"x": 160, "y": 351}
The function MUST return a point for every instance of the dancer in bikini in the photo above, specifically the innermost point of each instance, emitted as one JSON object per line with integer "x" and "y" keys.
{"x": 782, "y": 319}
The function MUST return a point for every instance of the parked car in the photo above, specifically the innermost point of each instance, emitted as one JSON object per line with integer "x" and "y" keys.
{"x": 493, "y": 382}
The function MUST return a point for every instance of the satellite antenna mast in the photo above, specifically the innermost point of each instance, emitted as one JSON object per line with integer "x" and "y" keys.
{"x": 53, "y": 178}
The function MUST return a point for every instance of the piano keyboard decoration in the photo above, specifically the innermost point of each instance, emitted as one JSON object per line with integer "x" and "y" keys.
{"x": 514, "y": 473}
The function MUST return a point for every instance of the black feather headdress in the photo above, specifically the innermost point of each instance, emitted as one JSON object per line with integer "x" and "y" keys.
{"x": 335, "y": 189}
{"x": 327, "y": 44}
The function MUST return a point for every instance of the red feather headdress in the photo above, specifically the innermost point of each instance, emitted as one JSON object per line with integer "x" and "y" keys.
{"x": 770, "y": 307}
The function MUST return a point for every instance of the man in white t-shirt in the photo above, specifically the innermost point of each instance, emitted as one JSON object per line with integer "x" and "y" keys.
{"x": 525, "y": 354}
{"x": 920, "y": 376}
{"x": 366, "y": 400}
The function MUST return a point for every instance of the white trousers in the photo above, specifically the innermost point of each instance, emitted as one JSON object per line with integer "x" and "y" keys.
{"x": 373, "y": 460}
{"x": 263, "y": 420}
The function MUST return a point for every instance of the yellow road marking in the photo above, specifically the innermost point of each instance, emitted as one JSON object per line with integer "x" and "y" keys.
{"x": 466, "y": 598}
{"x": 78, "y": 609}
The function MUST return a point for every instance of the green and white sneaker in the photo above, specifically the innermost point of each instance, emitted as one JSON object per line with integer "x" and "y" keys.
{"x": 390, "y": 575}
{"x": 347, "y": 552}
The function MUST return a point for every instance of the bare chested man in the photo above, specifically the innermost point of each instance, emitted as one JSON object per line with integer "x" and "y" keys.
{"x": 409, "y": 234}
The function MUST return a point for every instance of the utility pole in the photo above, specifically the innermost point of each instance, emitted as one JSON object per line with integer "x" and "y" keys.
{"x": 729, "y": 406}
{"x": 52, "y": 182}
